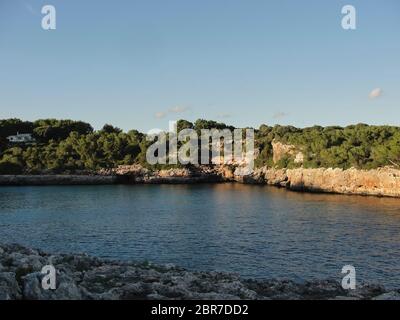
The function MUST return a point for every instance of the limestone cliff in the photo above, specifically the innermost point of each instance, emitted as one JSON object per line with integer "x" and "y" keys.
{"x": 281, "y": 150}
{"x": 377, "y": 182}
{"x": 380, "y": 182}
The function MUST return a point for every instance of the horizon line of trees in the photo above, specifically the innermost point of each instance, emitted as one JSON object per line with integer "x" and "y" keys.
{"x": 67, "y": 145}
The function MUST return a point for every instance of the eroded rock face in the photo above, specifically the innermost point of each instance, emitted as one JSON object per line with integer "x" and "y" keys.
{"x": 180, "y": 172}
{"x": 138, "y": 174}
{"x": 281, "y": 150}
{"x": 131, "y": 169}
{"x": 84, "y": 277}
{"x": 378, "y": 182}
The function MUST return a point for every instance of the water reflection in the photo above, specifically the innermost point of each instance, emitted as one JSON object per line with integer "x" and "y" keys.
{"x": 258, "y": 231}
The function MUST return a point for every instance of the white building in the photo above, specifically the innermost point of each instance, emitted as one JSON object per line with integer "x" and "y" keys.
{"x": 21, "y": 138}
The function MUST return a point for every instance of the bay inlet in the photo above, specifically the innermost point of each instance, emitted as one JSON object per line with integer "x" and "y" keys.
{"x": 256, "y": 231}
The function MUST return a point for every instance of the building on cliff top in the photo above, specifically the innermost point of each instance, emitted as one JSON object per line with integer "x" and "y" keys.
{"x": 21, "y": 138}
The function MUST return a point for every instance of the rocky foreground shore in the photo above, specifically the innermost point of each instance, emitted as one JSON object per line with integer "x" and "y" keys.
{"x": 83, "y": 277}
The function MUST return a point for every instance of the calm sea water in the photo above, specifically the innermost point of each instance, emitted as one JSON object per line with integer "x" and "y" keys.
{"x": 257, "y": 231}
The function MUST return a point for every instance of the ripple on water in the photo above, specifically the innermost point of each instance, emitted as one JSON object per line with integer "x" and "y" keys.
{"x": 257, "y": 231}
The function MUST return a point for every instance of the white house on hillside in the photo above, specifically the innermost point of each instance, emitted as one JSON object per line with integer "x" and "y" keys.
{"x": 21, "y": 138}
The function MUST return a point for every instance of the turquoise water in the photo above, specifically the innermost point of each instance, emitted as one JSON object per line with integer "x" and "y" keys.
{"x": 257, "y": 231}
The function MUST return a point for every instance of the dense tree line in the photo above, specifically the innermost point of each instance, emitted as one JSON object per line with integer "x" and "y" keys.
{"x": 66, "y": 145}
{"x": 360, "y": 146}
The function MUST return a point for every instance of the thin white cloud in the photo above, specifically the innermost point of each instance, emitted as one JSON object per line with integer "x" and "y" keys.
{"x": 28, "y": 7}
{"x": 174, "y": 110}
{"x": 376, "y": 93}
{"x": 179, "y": 109}
{"x": 160, "y": 115}
{"x": 280, "y": 115}
{"x": 224, "y": 115}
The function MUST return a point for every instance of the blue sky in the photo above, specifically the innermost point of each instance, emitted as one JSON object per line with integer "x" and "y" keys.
{"x": 139, "y": 64}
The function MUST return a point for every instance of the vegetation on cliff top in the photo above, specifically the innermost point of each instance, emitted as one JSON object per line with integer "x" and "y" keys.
{"x": 361, "y": 146}
{"x": 66, "y": 145}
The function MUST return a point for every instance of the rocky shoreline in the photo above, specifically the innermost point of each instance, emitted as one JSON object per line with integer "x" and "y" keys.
{"x": 57, "y": 179}
{"x": 383, "y": 182}
{"x": 81, "y": 277}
